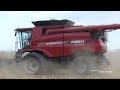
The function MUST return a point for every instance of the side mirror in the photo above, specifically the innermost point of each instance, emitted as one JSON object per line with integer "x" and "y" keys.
{"x": 15, "y": 33}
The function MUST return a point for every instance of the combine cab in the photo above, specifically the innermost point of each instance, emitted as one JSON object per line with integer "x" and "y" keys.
{"x": 81, "y": 48}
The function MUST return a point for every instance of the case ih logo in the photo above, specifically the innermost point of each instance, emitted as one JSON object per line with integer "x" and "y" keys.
{"x": 77, "y": 41}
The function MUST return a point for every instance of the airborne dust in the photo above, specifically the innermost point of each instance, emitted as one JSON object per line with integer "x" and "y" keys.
{"x": 9, "y": 70}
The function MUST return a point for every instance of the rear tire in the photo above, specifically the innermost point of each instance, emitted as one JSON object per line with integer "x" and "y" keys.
{"x": 104, "y": 63}
{"x": 81, "y": 65}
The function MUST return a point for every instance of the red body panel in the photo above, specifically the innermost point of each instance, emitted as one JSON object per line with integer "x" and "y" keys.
{"x": 38, "y": 43}
{"x": 57, "y": 45}
{"x": 72, "y": 48}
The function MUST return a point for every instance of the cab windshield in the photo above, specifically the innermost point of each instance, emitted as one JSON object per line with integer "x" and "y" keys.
{"x": 23, "y": 39}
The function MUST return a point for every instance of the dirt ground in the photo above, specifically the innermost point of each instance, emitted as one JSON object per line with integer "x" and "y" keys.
{"x": 8, "y": 69}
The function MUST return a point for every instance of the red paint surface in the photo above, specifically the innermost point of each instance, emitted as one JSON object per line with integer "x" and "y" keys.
{"x": 67, "y": 34}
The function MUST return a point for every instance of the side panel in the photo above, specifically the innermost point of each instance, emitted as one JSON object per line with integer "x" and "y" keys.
{"x": 75, "y": 42}
{"x": 100, "y": 46}
{"x": 36, "y": 35}
{"x": 52, "y": 45}
{"x": 57, "y": 45}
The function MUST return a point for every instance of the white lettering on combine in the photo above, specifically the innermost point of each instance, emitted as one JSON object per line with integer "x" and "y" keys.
{"x": 51, "y": 43}
{"x": 77, "y": 41}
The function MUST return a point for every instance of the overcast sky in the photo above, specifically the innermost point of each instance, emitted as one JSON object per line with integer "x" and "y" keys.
{"x": 10, "y": 20}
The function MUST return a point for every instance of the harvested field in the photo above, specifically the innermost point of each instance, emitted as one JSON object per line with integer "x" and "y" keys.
{"x": 8, "y": 69}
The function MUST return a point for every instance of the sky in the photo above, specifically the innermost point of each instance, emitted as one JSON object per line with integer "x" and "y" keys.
{"x": 10, "y": 20}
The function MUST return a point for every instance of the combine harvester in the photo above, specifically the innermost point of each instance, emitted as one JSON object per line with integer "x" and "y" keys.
{"x": 80, "y": 48}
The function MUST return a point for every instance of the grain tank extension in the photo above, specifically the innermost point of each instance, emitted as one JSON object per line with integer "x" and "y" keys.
{"x": 59, "y": 41}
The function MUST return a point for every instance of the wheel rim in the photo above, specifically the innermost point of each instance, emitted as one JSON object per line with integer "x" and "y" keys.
{"x": 81, "y": 68}
{"x": 31, "y": 66}
{"x": 80, "y": 65}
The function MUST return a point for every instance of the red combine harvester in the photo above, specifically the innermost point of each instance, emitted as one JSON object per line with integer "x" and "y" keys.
{"x": 81, "y": 48}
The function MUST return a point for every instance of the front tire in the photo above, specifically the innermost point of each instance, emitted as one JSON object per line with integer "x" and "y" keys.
{"x": 31, "y": 66}
{"x": 34, "y": 63}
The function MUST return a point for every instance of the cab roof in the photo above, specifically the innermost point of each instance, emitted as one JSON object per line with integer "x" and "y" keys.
{"x": 23, "y": 29}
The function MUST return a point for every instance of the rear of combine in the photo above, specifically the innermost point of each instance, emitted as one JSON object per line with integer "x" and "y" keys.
{"x": 79, "y": 48}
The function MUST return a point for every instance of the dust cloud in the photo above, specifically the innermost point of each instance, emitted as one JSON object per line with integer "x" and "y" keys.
{"x": 9, "y": 70}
